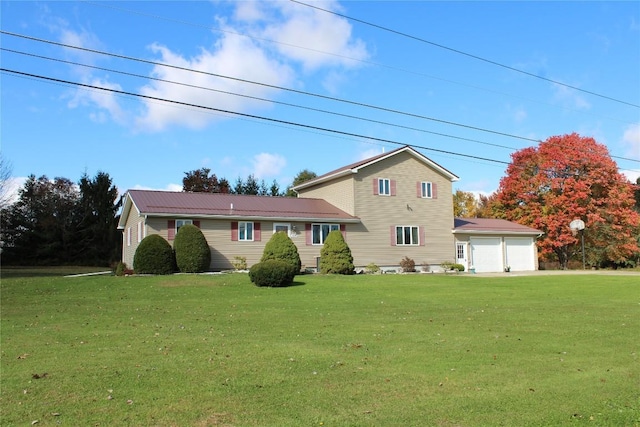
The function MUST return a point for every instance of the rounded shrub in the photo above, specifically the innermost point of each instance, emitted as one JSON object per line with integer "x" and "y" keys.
{"x": 191, "y": 249}
{"x": 153, "y": 256}
{"x": 335, "y": 255}
{"x": 273, "y": 273}
{"x": 281, "y": 247}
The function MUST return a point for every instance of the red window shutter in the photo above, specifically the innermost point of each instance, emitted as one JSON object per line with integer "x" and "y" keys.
{"x": 393, "y": 235}
{"x": 434, "y": 193}
{"x": 375, "y": 187}
{"x": 196, "y": 223}
{"x": 419, "y": 189}
{"x": 257, "y": 234}
{"x": 307, "y": 234}
{"x": 234, "y": 231}
{"x": 171, "y": 229}
{"x": 343, "y": 230}
{"x": 422, "y": 236}
{"x": 393, "y": 187}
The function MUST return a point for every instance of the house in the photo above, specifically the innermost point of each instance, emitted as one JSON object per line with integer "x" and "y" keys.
{"x": 490, "y": 245}
{"x": 390, "y": 206}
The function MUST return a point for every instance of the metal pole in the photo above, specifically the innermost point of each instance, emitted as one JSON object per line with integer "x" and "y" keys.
{"x": 583, "y": 263}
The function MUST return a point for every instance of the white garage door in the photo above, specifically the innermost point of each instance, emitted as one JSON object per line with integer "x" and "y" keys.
{"x": 486, "y": 254}
{"x": 520, "y": 253}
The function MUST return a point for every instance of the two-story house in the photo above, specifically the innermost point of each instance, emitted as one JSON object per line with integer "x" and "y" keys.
{"x": 394, "y": 205}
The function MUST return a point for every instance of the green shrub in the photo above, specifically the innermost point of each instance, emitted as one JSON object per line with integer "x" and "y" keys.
{"x": 273, "y": 273}
{"x": 448, "y": 265}
{"x": 153, "y": 256}
{"x": 120, "y": 269}
{"x": 281, "y": 247}
{"x": 239, "y": 263}
{"x": 335, "y": 255}
{"x": 372, "y": 268}
{"x": 408, "y": 265}
{"x": 191, "y": 249}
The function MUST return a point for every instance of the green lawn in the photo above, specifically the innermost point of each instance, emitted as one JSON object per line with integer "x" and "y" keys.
{"x": 385, "y": 350}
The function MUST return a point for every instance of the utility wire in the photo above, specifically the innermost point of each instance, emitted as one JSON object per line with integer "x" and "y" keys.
{"x": 278, "y": 102}
{"x": 337, "y": 55}
{"x": 260, "y": 118}
{"x": 300, "y": 92}
{"x": 236, "y": 113}
{"x": 479, "y": 58}
{"x": 319, "y": 110}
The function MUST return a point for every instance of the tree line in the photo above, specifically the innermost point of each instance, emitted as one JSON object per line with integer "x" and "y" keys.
{"x": 203, "y": 181}
{"x": 59, "y": 222}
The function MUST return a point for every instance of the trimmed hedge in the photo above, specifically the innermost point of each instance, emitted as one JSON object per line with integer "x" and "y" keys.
{"x": 153, "y": 256}
{"x": 192, "y": 250}
{"x": 272, "y": 273}
{"x": 335, "y": 255}
{"x": 281, "y": 247}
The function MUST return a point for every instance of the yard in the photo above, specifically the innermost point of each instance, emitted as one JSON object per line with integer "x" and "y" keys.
{"x": 374, "y": 350}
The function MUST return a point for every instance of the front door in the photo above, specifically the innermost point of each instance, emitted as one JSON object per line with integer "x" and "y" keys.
{"x": 461, "y": 254}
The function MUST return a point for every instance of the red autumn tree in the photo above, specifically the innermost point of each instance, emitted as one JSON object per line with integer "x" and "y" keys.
{"x": 565, "y": 178}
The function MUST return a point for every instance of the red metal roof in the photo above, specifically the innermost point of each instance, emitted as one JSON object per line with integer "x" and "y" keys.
{"x": 164, "y": 203}
{"x": 491, "y": 225}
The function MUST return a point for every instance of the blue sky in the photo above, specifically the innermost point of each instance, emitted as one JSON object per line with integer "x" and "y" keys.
{"x": 457, "y": 109}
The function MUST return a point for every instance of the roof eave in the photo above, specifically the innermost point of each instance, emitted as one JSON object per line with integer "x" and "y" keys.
{"x": 256, "y": 217}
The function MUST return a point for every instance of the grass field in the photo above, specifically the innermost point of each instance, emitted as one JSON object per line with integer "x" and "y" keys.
{"x": 384, "y": 350}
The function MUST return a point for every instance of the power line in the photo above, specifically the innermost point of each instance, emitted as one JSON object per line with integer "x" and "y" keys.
{"x": 254, "y": 116}
{"x": 288, "y": 104}
{"x": 274, "y": 101}
{"x": 479, "y": 58}
{"x": 363, "y": 61}
{"x": 236, "y": 113}
{"x": 300, "y": 92}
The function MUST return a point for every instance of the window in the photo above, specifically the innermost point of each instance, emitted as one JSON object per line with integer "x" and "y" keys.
{"x": 128, "y": 236}
{"x": 181, "y": 222}
{"x": 426, "y": 190}
{"x": 321, "y": 231}
{"x": 139, "y": 232}
{"x": 245, "y": 231}
{"x": 384, "y": 187}
{"x": 407, "y": 235}
{"x": 281, "y": 227}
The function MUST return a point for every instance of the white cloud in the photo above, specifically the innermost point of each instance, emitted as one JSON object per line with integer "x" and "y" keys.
{"x": 104, "y": 100}
{"x": 168, "y": 187}
{"x": 267, "y": 165}
{"x": 631, "y": 141}
{"x": 319, "y": 32}
{"x": 238, "y": 57}
{"x": 370, "y": 152}
{"x": 632, "y": 175}
{"x": 569, "y": 98}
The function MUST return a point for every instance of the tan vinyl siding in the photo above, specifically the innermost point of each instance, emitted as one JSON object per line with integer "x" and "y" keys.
{"x": 340, "y": 193}
{"x": 371, "y": 240}
{"x": 128, "y": 250}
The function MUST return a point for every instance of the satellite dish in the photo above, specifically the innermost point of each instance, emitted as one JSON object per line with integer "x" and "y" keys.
{"x": 577, "y": 224}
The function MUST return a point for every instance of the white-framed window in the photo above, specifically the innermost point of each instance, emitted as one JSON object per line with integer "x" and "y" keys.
{"x": 245, "y": 231}
{"x": 426, "y": 190}
{"x": 384, "y": 186}
{"x": 319, "y": 232}
{"x": 407, "y": 235}
{"x": 128, "y": 236}
{"x": 282, "y": 226}
{"x": 181, "y": 222}
{"x": 139, "y": 232}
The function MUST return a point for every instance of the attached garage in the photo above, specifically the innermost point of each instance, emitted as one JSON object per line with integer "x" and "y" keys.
{"x": 486, "y": 254}
{"x": 520, "y": 253}
{"x": 493, "y": 245}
